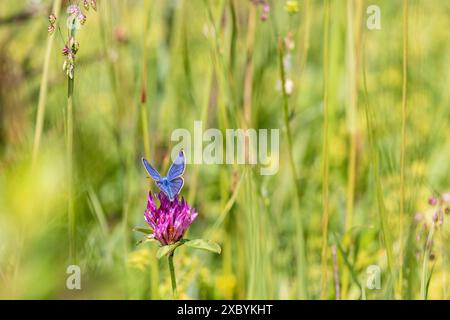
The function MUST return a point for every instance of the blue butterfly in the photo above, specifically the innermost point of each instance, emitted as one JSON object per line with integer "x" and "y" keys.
{"x": 172, "y": 184}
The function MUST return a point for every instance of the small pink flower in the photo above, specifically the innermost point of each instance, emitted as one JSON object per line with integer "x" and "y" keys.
{"x": 265, "y": 12}
{"x": 51, "y": 28}
{"x": 65, "y": 50}
{"x": 418, "y": 217}
{"x": 73, "y": 10}
{"x": 432, "y": 201}
{"x": 94, "y": 5}
{"x": 435, "y": 217}
{"x": 82, "y": 18}
{"x": 52, "y": 18}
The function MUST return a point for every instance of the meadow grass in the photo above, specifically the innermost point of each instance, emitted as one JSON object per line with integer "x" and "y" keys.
{"x": 364, "y": 143}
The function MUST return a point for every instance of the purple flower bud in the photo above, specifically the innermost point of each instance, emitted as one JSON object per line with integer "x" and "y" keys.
{"x": 418, "y": 217}
{"x": 94, "y": 5}
{"x": 82, "y": 18}
{"x": 447, "y": 210}
{"x": 65, "y": 50}
{"x": 52, "y": 18}
{"x": 73, "y": 10}
{"x": 446, "y": 197}
{"x": 435, "y": 217}
{"x": 265, "y": 12}
{"x": 170, "y": 220}
{"x": 432, "y": 201}
{"x": 51, "y": 28}
{"x": 86, "y": 4}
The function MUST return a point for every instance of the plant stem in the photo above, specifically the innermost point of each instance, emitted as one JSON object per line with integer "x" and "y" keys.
{"x": 426, "y": 257}
{"x": 172, "y": 276}
{"x": 325, "y": 165}
{"x": 70, "y": 207}
{"x": 403, "y": 143}
{"x": 70, "y": 204}
{"x": 336, "y": 273}
{"x": 43, "y": 89}
{"x": 301, "y": 259}
{"x": 248, "y": 82}
{"x": 144, "y": 115}
{"x": 376, "y": 168}
{"x": 354, "y": 32}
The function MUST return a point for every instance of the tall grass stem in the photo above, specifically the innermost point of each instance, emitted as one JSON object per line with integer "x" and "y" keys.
{"x": 325, "y": 152}
{"x": 403, "y": 146}
{"x": 43, "y": 89}
{"x": 301, "y": 256}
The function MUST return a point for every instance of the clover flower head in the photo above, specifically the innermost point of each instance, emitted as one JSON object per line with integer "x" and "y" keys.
{"x": 170, "y": 219}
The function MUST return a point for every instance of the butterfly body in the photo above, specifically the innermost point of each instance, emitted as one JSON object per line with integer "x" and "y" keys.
{"x": 173, "y": 182}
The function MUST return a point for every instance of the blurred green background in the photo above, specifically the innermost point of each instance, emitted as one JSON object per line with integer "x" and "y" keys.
{"x": 217, "y": 61}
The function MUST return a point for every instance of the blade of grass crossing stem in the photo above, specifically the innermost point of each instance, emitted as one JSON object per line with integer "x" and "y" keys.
{"x": 425, "y": 279}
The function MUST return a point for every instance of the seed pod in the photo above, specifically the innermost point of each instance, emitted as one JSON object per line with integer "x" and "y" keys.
{"x": 432, "y": 201}
{"x": 82, "y": 18}
{"x": 94, "y": 5}
{"x": 65, "y": 50}
{"x": 51, "y": 28}
{"x": 52, "y": 18}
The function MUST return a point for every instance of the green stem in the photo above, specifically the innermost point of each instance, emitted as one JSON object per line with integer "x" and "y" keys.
{"x": 70, "y": 208}
{"x": 172, "y": 276}
{"x": 377, "y": 176}
{"x": 43, "y": 89}
{"x": 301, "y": 260}
{"x": 426, "y": 257}
{"x": 325, "y": 192}
{"x": 144, "y": 114}
{"x": 403, "y": 143}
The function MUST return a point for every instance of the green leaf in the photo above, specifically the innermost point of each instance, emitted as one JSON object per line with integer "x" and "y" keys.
{"x": 166, "y": 250}
{"x": 145, "y": 239}
{"x": 347, "y": 263}
{"x": 204, "y": 245}
{"x": 143, "y": 230}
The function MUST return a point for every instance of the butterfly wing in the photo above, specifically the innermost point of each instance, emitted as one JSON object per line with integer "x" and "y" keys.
{"x": 176, "y": 170}
{"x": 151, "y": 171}
{"x": 175, "y": 185}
